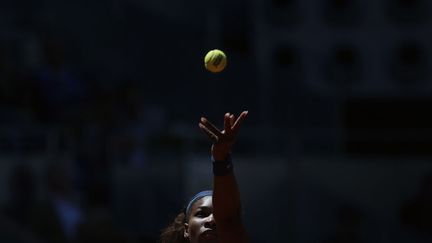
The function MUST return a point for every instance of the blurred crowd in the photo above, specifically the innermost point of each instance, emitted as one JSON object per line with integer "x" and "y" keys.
{"x": 90, "y": 122}
{"x": 61, "y": 216}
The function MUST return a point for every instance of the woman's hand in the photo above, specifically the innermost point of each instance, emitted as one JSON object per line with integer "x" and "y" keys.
{"x": 222, "y": 140}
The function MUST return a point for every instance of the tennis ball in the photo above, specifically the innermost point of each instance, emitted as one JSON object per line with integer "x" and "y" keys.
{"x": 215, "y": 61}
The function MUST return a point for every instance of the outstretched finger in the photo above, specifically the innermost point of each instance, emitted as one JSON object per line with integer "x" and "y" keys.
{"x": 207, "y": 132}
{"x": 227, "y": 123}
{"x": 210, "y": 126}
{"x": 239, "y": 121}
{"x": 232, "y": 120}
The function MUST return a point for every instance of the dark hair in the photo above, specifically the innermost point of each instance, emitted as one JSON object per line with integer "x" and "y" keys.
{"x": 174, "y": 233}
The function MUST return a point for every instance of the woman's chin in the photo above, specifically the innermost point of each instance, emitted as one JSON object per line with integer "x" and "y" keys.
{"x": 208, "y": 237}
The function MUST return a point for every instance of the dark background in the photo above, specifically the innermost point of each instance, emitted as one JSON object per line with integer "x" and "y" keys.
{"x": 100, "y": 101}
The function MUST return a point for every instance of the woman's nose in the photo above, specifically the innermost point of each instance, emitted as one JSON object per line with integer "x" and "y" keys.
{"x": 210, "y": 223}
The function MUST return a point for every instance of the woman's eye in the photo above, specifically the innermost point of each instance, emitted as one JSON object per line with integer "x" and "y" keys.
{"x": 201, "y": 214}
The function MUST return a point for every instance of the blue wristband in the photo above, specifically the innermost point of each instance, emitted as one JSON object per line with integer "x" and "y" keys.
{"x": 222, "y": 168}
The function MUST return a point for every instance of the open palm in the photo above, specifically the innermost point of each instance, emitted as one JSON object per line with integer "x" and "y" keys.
{"x": 222, "y": 140}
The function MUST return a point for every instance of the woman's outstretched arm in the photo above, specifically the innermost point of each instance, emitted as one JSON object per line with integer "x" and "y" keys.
{"x": 226, "y": 195}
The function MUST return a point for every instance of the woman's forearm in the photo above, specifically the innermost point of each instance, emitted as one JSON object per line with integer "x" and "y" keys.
{"x": 226, "y": 198}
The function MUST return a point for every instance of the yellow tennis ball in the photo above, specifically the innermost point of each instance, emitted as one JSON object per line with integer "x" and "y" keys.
{"x": 215, "y": 61}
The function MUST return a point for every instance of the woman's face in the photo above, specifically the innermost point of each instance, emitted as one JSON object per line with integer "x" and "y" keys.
{"x": 201, "y": 226}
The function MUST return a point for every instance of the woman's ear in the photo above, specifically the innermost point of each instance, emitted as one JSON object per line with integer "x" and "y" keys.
{"x": 186, "y": 231}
